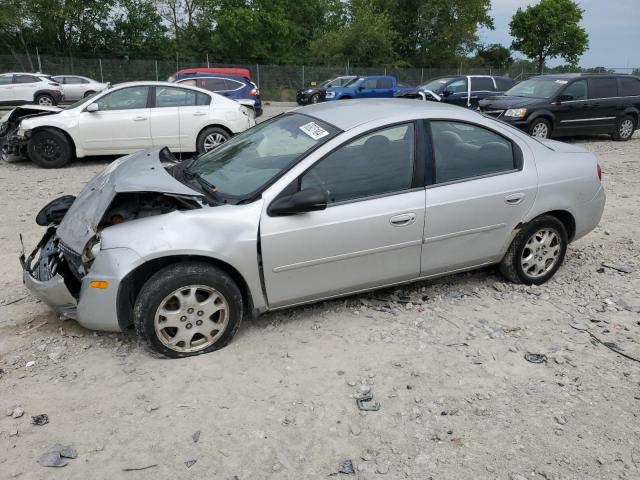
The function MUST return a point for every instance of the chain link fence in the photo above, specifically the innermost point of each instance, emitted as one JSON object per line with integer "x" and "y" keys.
{"x": 276, "y": 82}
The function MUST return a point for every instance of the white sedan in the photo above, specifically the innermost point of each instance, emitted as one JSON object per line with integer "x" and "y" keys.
{"x": 124, "y": 119}
{"x": 76, "y": 87}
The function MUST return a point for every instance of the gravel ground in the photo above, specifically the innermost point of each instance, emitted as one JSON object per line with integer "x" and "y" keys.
{"x": 445, "y": 360}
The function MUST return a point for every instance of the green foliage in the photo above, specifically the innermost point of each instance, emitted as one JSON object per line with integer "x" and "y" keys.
{"x": 548, "y": 30}
{"x": 494, "y": 56}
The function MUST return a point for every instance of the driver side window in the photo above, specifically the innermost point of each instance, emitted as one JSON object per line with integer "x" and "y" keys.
{"x": 125, "y": 99}
{"x": 457, "y": 86}
{"x": 578, "y": 90}
{"x": 378, "y": 163}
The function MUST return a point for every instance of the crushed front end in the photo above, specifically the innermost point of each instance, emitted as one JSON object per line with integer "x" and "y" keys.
{"x": 13, "y": 140}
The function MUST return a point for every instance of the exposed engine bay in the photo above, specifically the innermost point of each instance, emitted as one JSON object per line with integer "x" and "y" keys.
{"x": 52, "y": 257}
{"x": 11, "y": 145}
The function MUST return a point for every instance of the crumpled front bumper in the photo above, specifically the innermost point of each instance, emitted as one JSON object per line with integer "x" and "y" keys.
{"x": 11, "y": 146}
{"x": 54, "y": 292}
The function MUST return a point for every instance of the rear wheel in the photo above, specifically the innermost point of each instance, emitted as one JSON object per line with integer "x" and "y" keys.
{"x": 211, "y": 138}
{"x": 49, "y": 149}
{"x": 537, "y": 252}
{"x": 88, "y": 94}
{"x": 625, "y": 128}
{"x": 188, "y": 309}
{"x": 540, "y": 128}
{"x": 45, "y": 100}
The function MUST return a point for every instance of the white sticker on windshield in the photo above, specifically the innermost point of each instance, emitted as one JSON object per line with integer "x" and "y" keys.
{"x": 562, "y": 82}
{"x": 314, "y": 130}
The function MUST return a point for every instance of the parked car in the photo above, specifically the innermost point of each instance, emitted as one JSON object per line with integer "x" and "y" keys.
{"x": 129, "y": 117}
{"x": 237, "y": 88}
{"x": 240, "y": 72}
{"x": 76, "y": 87}
{"x": 372, "y": 86}
{"x": 571, "y": 104}
{"x": 323, "y": 201}
{"x": 463, "y": 90}
{"x": 19, "y": 88}
{"x": 315, "y": 94}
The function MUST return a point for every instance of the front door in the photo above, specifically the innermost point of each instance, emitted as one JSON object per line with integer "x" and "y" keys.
{"x": 121, "y": 124}
{"x": 482, "y": 187}
{"x": 457, "y": 92}
{"x": 572, "y": 111}
{"x": 370, "y": 233}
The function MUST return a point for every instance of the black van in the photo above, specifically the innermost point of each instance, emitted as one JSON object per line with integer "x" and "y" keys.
{"x": 570, "y": 104}
{"x": 463, "y": 90}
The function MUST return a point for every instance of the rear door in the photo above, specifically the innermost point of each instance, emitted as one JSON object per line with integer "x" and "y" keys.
{"x": 480, "y": 186}
{"x": 481, "y": 87}
{"x": 370, "y": 233}
{"x": 121, "y": 125}
{"x": 177, "y": 116}
{"x": 604, "y": 104}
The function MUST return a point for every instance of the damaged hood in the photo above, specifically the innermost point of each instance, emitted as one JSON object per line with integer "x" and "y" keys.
{"x": 28, "y": 110}
{"x": 139, "y": 172}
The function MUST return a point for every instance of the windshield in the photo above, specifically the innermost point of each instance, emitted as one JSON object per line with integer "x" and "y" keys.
{"x": 434, "y": 85}
{"x": 352, "y": 83}
{"x": 537, "y": 88}
{"x": 247, "y": 163}
{"x": 77, "y": 103}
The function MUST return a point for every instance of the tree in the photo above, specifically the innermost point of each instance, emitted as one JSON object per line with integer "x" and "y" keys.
{"x": 433, "y": 32}
{"x": 495, "y": 56}
{"x": 366, "y": 38}
{"x": 548, "y": 30}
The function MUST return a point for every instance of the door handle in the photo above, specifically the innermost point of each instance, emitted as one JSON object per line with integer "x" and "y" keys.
{"x": 199, "y": 114}
{"x": 403, "y": 220}
{"x": 139, "y": 119}
{"x": 514, "y": 198}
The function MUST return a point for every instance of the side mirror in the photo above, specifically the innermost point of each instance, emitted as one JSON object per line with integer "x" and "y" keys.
{"x": 92, "y": 107}
{"x": 360, "y": 88}
{"x": 446, "y": 93}
{"x": 566, "y": 97}
{"x": 307, "y": 200}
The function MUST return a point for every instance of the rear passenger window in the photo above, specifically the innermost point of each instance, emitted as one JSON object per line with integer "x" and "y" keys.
{"x": 232, "y": 84}
{"x": 378, "y": 163}
{"x": 503, "y": 84}
{"x": 463, "y": 151}
{"x": 629, "y": 87}
{"x": 25, "y": 79}
{"x": 215, "y": 84}
{"x": 603, "y": 87}
{"x": 479, "y": 84}
{"x": 385, "y": 83}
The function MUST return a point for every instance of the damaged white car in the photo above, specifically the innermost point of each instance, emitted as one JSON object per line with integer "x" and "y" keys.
{"x": 324, "y": 201}
{"x": 126, "y": 118}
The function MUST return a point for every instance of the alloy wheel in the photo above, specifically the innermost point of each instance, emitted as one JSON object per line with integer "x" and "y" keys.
{"x": 212, "y": 140}
{"x": 541, "y": 253}
{"x": 45, "y": 101}
{"x": 626, "y": 128}
{"x": 191, "y": 318}
{"x": 540, "y": 130}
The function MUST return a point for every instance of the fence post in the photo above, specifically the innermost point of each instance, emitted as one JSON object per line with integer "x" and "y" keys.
{"x": 156, "y": 70}
{"x": 39, "y": 63}
{"x": 422, "y": 75}
{"x": 303, "y": 77}
{"x": 101, "y": 76}
{"x": 258, "y": 74}
{"x": 207, "y": 60}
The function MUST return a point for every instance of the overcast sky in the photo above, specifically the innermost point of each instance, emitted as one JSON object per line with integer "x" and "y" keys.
{"x": 613, "y": 27}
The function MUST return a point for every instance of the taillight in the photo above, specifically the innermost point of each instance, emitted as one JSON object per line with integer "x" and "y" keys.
{"x": 254, "y": 92}
{"x": 599, "y": 172}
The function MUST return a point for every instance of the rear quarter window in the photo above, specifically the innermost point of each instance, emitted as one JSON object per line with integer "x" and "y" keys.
{"x": 503, "y": 84}
{"x": 629, "y": 87}
{"x": 479, "y": 84}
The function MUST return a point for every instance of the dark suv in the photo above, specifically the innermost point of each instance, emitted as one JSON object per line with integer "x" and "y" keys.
{"x": 571, "y": 104}
{"x": 463, "y": 90}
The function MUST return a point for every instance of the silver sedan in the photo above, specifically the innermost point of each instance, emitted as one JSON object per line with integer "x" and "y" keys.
{"x": 327, "y": 200}
{"x": 76, "y": 87}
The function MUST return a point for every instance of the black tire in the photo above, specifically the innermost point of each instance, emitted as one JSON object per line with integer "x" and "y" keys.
{"x": 204, "y": 138}
{"x": 538, "y": 128}
{"x": 625, "y": 128}
{"x": 315, "y": 98}
{"x": 512, "y": 266}
{"x": 49, "y": 149}
{"x": 46, "y": 100}
{"x": 88, "y": 93}
{"x": 188, "y": 275}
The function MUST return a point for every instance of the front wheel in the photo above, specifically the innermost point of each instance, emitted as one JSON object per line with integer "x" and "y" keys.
{"x": 211, "y": 138}
{"x": 315, "y": 98}
{"x": 188, "y": 309}
{"x": 625, "y": 128}
{"x": 49, "y": 149}
{"x": 537, "y": 252}
{"x": 540, "y": 128}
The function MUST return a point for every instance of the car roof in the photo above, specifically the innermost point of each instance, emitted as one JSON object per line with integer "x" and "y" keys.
{"x": 27, "y": 73}
{"x": 188, "y": 76}
{"x": 162, "y": 84}
{"x": 347, "y": 114}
